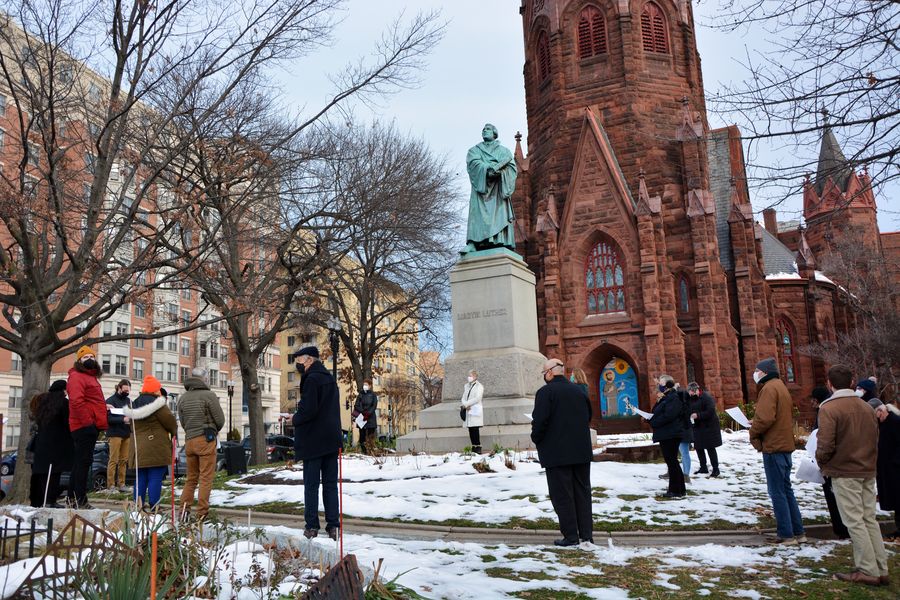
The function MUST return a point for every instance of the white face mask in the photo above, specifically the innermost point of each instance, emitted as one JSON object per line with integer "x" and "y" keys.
{"x": 757, "y": 375}
{"x": 470, "y": 379}
{"x": 365, "y": 388}
{"x": 860, "y": 393}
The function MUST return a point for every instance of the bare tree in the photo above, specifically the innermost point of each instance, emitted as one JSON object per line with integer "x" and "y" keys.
{"x": 400, "y": 403}
{"x": 391, "y": 281}
{"x": 829, "y": 64}
{"x": 430, "y": 377}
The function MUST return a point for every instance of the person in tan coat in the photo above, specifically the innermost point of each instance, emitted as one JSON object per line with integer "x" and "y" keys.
{"x": 847, "y": 451}
{"x": 154, "y": 426}
{"x": 772, "y": 433}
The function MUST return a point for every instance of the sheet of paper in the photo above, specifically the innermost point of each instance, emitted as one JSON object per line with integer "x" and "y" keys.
{"x": 812, "y": 443}
{"x": 528, "y": 416}
{"x": 116, "y": 411}
{"x": 738, "y": 415}
{"x": 360, "y": 422}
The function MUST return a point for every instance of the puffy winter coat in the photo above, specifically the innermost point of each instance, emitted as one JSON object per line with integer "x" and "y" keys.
{"x": 888, "y": 476}
{"x": 317, "y": 422}
{"x": 117, "y": 425}
{"x": 154, "y": 426}
{"x": 53, "y": 441}
{"x": 366, "y": 405}
{"x": 87, "y": 406}
{"x": 668, "y": 417}
{"x": 707, "y": 431}
{"x": 199, "y": 408}
{"x": 561, "y": 425}
{"x": 471, "y": 400}
{"x": 772, "y": 429}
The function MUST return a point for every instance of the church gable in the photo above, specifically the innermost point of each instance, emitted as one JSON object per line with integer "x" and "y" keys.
{"x": 598, "y": 197}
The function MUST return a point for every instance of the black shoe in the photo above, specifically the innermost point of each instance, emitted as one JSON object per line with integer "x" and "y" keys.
{"x": 672, "y": 495}
{"x": 310, "y": 533}
{"x": 715, "y": 473}
{"x": 701, "y": 471}
{"x": 476, "y": 449}
{"x": 565, "y": 543}
{"x": 332, "y": 532}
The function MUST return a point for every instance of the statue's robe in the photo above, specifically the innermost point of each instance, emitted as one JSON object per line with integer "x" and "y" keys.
{"x": 490, "y": 210}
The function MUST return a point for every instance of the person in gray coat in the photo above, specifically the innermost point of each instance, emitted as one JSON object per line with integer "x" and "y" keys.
{"x": 201, "y": 416}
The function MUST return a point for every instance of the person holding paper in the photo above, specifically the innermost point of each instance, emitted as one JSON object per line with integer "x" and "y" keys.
{"x": 365, "y": 407}
{"x": 668, "y": 430}
{"x": 847, "y": 452}
{"x": 471, "y": 402}
{"x": 561, "y": 432}
{"x": 888, "y": 474}
{"x": 117, "y": 434}
{"x": 707, "y": 432}
{"x": 772, "y": 433}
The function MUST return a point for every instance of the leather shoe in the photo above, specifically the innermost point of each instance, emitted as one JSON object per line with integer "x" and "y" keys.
{"x": 564, "y": 542}
{"x": 858, "y": 577}
{"x": 310, "y": 533}
{"x": 884, "y": 580}
{"x": 701, "y": 471}
{"x": 672, "y": 495}
{"x": 332, "y": 532}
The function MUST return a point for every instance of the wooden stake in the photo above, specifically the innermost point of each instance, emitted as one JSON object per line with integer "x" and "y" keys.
{"x": 153, "y": 566}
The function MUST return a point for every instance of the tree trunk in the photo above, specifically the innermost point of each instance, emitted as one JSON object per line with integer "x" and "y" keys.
{"x": 35, "y": 380}
{"x": 250, "y": 376}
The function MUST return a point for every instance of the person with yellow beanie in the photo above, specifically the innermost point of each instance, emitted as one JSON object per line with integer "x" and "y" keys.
{"x": 87, "y": 418}
{"x": 154, "y": 427}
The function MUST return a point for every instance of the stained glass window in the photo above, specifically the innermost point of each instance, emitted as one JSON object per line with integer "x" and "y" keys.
{"x": 684, "y": 295}
{"x": 604, "y": 280}
{"x": 785, "y": 340}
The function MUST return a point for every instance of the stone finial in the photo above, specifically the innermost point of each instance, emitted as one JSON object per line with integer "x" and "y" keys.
{"x": 691, "y": 127}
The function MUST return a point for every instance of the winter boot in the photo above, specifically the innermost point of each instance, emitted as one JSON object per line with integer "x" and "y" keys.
{"x": 715, "y": 473}
{"x": 476, "y": 449}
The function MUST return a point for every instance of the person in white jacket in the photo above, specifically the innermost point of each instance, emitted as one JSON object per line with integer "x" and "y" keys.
{"x": 471, "y": 402}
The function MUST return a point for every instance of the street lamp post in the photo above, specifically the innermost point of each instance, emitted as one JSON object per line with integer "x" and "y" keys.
{"x": 230, "y": 404}
{"x": 334, "y": 339}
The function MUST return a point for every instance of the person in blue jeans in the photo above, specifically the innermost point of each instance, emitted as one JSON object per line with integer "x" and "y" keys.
{"x": 772, "y": 433}
{"x": 317, "y": 440}
{"x": 154, "y": 426}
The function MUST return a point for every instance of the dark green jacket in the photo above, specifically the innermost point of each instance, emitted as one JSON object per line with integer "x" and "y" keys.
{"x": 199, "y": 408}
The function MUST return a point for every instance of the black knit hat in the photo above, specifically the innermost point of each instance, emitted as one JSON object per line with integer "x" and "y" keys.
{"x": 820, "y": 394}
{"x": 308, "y": 351}
{"x": 58, "y": 386}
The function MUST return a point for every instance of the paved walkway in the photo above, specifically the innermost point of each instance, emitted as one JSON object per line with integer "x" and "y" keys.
{"x": 513, "y": 537}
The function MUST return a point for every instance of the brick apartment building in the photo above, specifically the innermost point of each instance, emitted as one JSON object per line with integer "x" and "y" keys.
{"x": 637, "y": 219}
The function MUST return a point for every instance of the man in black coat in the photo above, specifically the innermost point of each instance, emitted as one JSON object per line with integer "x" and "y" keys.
{"x": 118, "y": 434}
{"x": 668, "y": 431}
{"x": 317, "y": 439}
{"x": 707, "y": 432}
{"x": 561, "y": 431}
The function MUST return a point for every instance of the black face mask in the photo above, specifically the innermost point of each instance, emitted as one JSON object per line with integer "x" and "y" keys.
{"x": 301, "y": 368}
{"x": 90, "y": 364}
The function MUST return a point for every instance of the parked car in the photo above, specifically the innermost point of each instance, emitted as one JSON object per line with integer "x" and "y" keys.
{"x": 101, "y": 460}
{"x": 8, "y": 463}
{"x": 279, "y": 448}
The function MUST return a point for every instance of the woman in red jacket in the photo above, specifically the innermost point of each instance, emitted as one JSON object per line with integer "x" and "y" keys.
{"x": 87, "y": 417}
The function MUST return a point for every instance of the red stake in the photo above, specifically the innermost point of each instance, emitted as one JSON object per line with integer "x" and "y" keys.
{"x": 153, "y": 566}
{"x": 174, "y": 453}
{"x": 341, "y": 502}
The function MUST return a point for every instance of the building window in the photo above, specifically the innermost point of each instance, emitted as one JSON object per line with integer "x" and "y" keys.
{"x": 160, "y": 343}
{"x": 138, "y": 343}
{"x": 202, "y": 349}
{"x": 183, "y": 372}
{"x": 185, "y": 347}
{"x": 121, "y": 328}
{"x": 186, "y": 294}
{"x": 653, "y": 29}
{"x": 158, "y": 370}
{"x": 107, "y": 328}
{"x": 223, "y": 380}
{"x": 16, "y": 362}
{"x": 121, "y": 365}
{"x": 140, "y": 310}
{"x": 15, "y": 396}
{"x": 213, "y": 377}
{"x": 543, "y": 56}
{"x": 137, "y": 370}
{"x": 788, "y": 358}
{"x": 213, "y": 350}
{"x": 185, "y": 318}
{"x": 172, "y": 343}
{"x": 591, "y": 33}
{"x": 12, "y": 436}
{"x": 604, "y": 280}
{"x": 291, "y": 341}
{"x": 171, "y": 371}
{"x": 684, "y": 296}
{"x": 105, "y": 363}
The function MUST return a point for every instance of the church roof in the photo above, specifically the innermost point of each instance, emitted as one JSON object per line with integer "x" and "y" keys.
{"x": 778, "y": 259}
{"x": 719, "y": 155}
{"x": 832, "y": 163}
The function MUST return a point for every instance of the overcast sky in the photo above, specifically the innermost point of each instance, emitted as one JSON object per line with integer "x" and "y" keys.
{"x": 475, "y": 76}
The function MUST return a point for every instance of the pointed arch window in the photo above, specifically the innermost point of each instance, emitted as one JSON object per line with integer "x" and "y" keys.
{"x": 684, "y": 295}
{"x": 543, "y": 56}
{"x": 654, "y": 36}
{"x": 604, "y": 279}
{"x": 591, "y": 33}
{"x": 785, "y": 341}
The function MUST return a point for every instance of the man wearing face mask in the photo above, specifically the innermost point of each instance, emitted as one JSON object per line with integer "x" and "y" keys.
{"x": 471, "y": 403}
{"x": 317, "y": 439}
{"x": 87, "y": 417}
{"x": 561, "y": 431}
{"x": 868, "y": 391}
{"x": 117, "y": 435}
{"x": 366, "y": 404}
{"x": 772, "y": 433}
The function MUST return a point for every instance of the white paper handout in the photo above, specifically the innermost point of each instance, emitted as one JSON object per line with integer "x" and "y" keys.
{"x": 638, "y": 411}
{"x": 808, "y": 469}
{"x": 360, "y": 422}
{"x": 738, "y": 415}
{"x": 116, "y": 411}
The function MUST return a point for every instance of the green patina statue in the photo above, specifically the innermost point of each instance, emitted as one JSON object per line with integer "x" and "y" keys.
{"x": 492, "y": 171}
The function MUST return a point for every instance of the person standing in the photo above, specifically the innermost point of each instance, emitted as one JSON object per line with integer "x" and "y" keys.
{"x": 202, "y": 419}
{"x": 772, "y": 433}
{"x": 684, "y": 448}
{"x": 847, "y": 451}
{"x": 820, "y": 395}
{"x": 668, "y": 430}
{"x": 560, "y": 430}
{"x": 317, "y": 440}
{"x": 887, "y": 477}
{"x": 868, "y": 391}
{"x": 366, "y": 404}
{"x": 53, "y": 447}
{"x": 471, "y": 402}
{"x": 87, "y": 418}
{"x": 118, "y": 434}
{"x": 151, "y": 453}
{"x": 707, "y": 432}
{"x": 580, "y": 379}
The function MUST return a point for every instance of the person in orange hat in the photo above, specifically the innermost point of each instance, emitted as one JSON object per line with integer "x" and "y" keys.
{"x": 151, "y": 453}
{"x": 87, "y": 417}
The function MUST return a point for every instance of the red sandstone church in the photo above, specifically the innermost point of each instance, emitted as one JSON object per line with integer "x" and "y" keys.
{"x": 637, "y": 220}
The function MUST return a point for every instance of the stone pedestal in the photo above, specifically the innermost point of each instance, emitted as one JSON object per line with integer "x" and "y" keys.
{"x": 495, "y": 333}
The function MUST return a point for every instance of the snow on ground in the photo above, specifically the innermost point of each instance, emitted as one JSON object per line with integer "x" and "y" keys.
{"x": 447, "y": 487}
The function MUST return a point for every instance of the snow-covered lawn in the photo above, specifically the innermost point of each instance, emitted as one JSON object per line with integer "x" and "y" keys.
{"x": 438, "y": 488}
{"x": 455, "y": 570}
